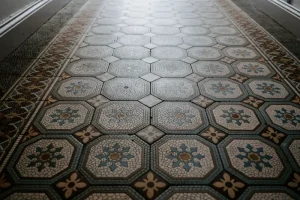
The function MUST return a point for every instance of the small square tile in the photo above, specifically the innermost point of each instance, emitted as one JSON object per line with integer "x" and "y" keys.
{"x": 122, "y": 25}
{"x": 150, "y": 34}
{"x": 150, "y": 100}
{"x": 150, "y": 60}
{"x": 150, "y": 77}
{"x": 98, "y": 100}
{"x": 184, "y": 46}
{"x": 180, "y": 35}
{"x": 150, "y": 134}
{"x": 150, "y": 46}
{"x": 194, "y": 77}
{"x": 111, "y": 59}
{"x": 203, "y": 101}
{"x": 239, "y": 78}
{"x": 189, "y": 60}
{"x": 105, "y": 77}
{"x": 219, "y": 46}
{"x": 115, "y": 45}
{"x": 228, "y": 60}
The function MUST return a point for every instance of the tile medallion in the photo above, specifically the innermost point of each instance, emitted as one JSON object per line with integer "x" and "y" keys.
{"x": 77, "y": 88}
{"x": 166, "y": 68}
{"x": 212, "y": 69}
{"x": 129, "y": 68}
{"x": 241, "y": 53}
{"x": 87, "y": 67}
{"x": 64, "y": 117}
{"x": 115, "y": 159}
{"x": 126, "y": 89}
{"x": 174, "y": 89}
{"x": 235, "y": 118}
{"x": 44, "y": 159}
{"x": 185, "y": 159}
{"x": 291, "y": 148}
{"x": 121, "y": 117}
{"x": 132, "y": 52}
{"x": 254, "y": 160}
{"x": 220, "y": 89}
{"x": 253, "y": 69}
{"x": 179, "y": 117}
{"x": 283, "y": 115}
{"x": 168, "y": 53}
{"x": 205, "y": 53}
{"x": 94, "y": 52}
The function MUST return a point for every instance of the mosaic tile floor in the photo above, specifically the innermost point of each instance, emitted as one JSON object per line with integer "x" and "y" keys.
{"x": 148, "y": 99}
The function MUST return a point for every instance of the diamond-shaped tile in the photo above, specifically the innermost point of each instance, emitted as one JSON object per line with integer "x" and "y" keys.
{"x": 150, "y": 134}
{"x": 150, "y": 100}
{"x": 111, "y": 59}
{"x": 105, "y": 77}
{"x": 98, "y": 100}
{"x": 150, "y": 34}
{"x": 194, "y": 77}
{"x": 219, "y": 46}
{"x": 150, "y": 60}
{"x": 150, "y": 46}
{"x": 115, "y": 45}
{"x": 202, "y": 101}
{"x": 150, "y": 77}
{"x": 228, "y": 60}
{"x": 189, "y": 60}
{"x": 185, "y": 46}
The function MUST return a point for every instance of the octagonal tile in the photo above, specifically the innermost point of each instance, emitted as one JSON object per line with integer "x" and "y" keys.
{"x": 162, "y": 14}
{"x": 121, "y": 117}
{"x": 224, "y": 30}
{"x": 166, "y": 68}
{"x": 165, "y": 30}
{"x": 166, "y": 40}
{"x": 179, "y": 117}
{"x": 87, "y": 67}
{"x": 136, "y": 21}
{"x": 185, "y": 159}
{"x": 268, "y": 192}
{"x": 80, "y": 88}
{"x": 44, "y": 159}
{"x": 199, "y": 41}
{"x": 32, "y": 192}
{"x": 191, "y": 22}
{"x": 284, "y": 116}
{"x": 126, "y": 89}
{"x": 217, "y": 22}
{"x": 235, "y": 118}
{"x": 115, "y": 159}
{"x": 205, "y": 53}
{"x": 212, "y": 15}
{"x": 109, "y": 21}
{"x": 177, "y": 89}
{"x": 164, "y": 22}
{"x": 220, "y": 89}
{"x": 64, "y": 117}
{"x": 194, "y": 30}
{"x": 230, "y": 40}
{"x": 254, "y": 160}
{"x": 101, "y": 40}
{"x": 105, "y": 30}
{"x": 135, "y": 30}
{"x": 94, "y": 52}
{"x": 184, "y": 9}
{"x": 253, "y": 69}
{"x": 291, "y": 148}
{"x": 132, "y": 52}
{"x": 269, "y": 89}
{"x": 212, "y": 69}
{"x": 129, "y": 68}
{"x": 168, "y": 53}
{"x": 241, "y": 53}
{"x": 187, "y": 15}
{"x": 134, "y": 40}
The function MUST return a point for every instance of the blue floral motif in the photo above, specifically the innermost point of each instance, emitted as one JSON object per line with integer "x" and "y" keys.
{"x": 185, "y": 156}
{"x": 78, "y": 88}
{"x": 288, "y": 116}
{"x": 114, "y": 157}
{"x": 64, "y": 116}
{"x": 180, "y": 116}
{"x": 253, "y": 68}
{"x": 225, "y": 89}
{"x": 235, "y": 116}
{"x": 121, "y": 116}
{"x": 252, "y": 157}
{"x": 213, "y": 68}
{"x": 266, "y": 88}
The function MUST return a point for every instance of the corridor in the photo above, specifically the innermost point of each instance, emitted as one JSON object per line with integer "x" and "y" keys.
{"x": 154, "y": 99}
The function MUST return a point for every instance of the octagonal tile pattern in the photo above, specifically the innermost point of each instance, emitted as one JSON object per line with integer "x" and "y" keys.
{"x": 291, "y": 148}
{"x": 165, "y": 30}
{"x": 253, "y": 69}
{"x": 94, "y": 52}
{"x": 121, "y": 117}
{"x": 64, "y": 117}
{"x": 185, "y": 159}
{"x": 134, "y": 40}
{"x": 235, "y": 118}
{"x": 179, "y": 117}
{"x": 205, "y": 53}
{"x": 254, "y": 160}
{"x": 45, "y": 159}
{"x": 126, "y": 89}
{"x": 105, "y": 30}
{"x": 199, "y": 41}
{"x": 135, "y": 30}
{"x": 241, "y": 53}
{"x": 269, "y": 192}
{"x": 220, "y": 89}
{"x": 129, "y": 68}
{"x": 115, "y": 159}
{"x": 212, "y": 69}
{"x": 168, "y": 68}
{"x": 100, "y": 40}
{"x": 224, "y": 30}
{"x": 231, "y": 40}
{"x": 177, "y": 89}
{"x": 132, "y": 52}
{"x": 87, "y": 67}
{"x": 194, "y": 30}
{"x": 168, "y": 53}
{"x": 166, "y": 40}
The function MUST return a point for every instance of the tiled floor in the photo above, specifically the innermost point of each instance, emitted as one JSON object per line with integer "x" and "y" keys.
{"x": 145, "y": 99}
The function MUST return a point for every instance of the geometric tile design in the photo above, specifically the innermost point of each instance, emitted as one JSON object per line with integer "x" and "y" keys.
{"x": 129, "y": 68}
{"x": 235, "y": 118}
{"x": 205, "y": 53}
{"x": 222, "y": 89}
{"x": 150, "y": 134}
{"x": 199, "y": 41}
{"x": 212, "y": 69}
{"x": 185, "y": 159}
{"x": 94, "y": 52}
{"x": 136, "y": 30}
{"x": 134, "y": 40}
{"x": 174, "y": 89}
{"x": 168, "y": 53}
{"x": 87, "y": 67}
{"x": 217, "y": 22}
{"x": 166, "y": 40}
{"x": 115, "y": 159}
{"x": 101, "y": 40}
{"x": 194, "y": 30}
{"x": 254, "y": 160}
{"x": 63, "y": 117}
{"x": 223, "y": 30}
{"x": 229, "y": 40}
{"x": 253, "y": 69}
{"x": 165, "y": 30}
{"x": 165, "y": 68}
{"x": 241, "y": 53}
{"x": 105, "y": 30}
{"x": 119, "y": 117}
{"x": 291, "y": 147}
{"x": 179, "y": 117}
{"x": 132, "y": 52}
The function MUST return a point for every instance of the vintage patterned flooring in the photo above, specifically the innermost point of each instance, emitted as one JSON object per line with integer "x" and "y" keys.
{"x": 155, "y": 99}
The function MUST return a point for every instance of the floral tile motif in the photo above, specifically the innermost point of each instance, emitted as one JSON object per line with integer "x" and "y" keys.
{"x": 202, "y": 101}
{"x": 150, "y": 134}
{"x": 283, "y": 116}
{"x": 190, "y": 192}
{"x": 77, "y": 88}
{"x": 254, "y": 102}
{"x": 212, "y": 69}
{"x": 87, "y": 67}
{"x": 179, "y": 117}
{"x": 63, "y": 117}
{"x": 254, "y": 160}
{"x": 253, "y": 69}
{"x": 150, "y": 185}
{"x": 273, "y": 135}
{"x": 178, "y": 89}
{"x": 129, "y": 68}
{"x": 185, "y": 159}
{"x": 231, "y": 40}
{"x": 126, "y": 89}
{"x": 115, "y": 159}
{"x": 168, "y": 68}
{"x": 241, "y": 53}
{"x": 291, "y": 148}
{"x": 98, "y": 100}
{"x": 121, "y": 117}
{"x": 87, "y": 134}
{"x": 294, "y": 182}
{"x": 235, "y": 118}
{"x": 212, "y": 134}
{"x": 205, "y": 53}
{"x": 268, "y": 89}
{"x": 239, "y": 78}
{"x": 222, "y": 89}
{"x": 44, "y": 159}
